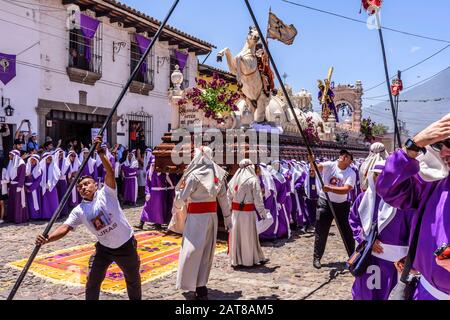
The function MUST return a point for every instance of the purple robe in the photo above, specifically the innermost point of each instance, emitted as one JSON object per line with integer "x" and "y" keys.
{"x": 61, "y": 187}
{"x": 34, "y": 196}
{"x": 400, "y": 186}
{"x": 355, "y": 192}
{"x": 288, "y": 203}
{"x": 86, "y": 172}
{"x": 311, "y": 198}
{"x": 283, "y": 217}
{"x": 130, "y": 186}
{"x": 50, "y": 200}
{"x": 298, "y": 202}
{"x": 396, "y": 233}
{"x": 158, "y": 209}
{"x": 270, "y": 204}
{"x": 75, "y": 198}
{"x": 17, "y": 209}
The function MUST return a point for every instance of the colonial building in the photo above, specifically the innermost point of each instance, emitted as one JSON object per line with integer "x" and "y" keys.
{"x": 72, "y": 58}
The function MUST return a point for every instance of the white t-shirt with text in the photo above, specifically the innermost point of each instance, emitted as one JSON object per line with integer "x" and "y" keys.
{"x": 103, "y": 217}
{"x": 334, "y": 176}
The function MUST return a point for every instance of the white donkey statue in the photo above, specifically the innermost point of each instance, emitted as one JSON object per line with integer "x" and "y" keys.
{"x": 245, "y": 67}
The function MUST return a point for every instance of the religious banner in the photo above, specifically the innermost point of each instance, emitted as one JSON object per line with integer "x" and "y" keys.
{"x": 7, "y": 67}
{"x": 143, "y": 43}
{"x": 280, "y": 31}
{"x": 88, "y": 27}
{"x": 182, "y": 59}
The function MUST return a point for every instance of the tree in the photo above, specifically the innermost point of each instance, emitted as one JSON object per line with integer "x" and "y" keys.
{"x": 379, "y": 129}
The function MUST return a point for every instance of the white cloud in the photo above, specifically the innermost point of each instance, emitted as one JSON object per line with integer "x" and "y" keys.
{"x": 415, "y": 49}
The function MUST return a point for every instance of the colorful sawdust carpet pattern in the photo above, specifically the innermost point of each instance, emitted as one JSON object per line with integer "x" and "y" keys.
{"x": 158, "y": 253}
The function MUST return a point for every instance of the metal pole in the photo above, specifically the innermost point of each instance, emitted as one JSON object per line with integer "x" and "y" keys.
{"x": 305, "y": 138}
{"x": 386, "y": 71}
{"x": 91, "y": 151}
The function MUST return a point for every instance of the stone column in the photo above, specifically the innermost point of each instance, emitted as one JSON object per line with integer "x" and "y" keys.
{"x": 42, "y": 112}
{"x": 357, "y": 115}
{"x": 175, "y": 95}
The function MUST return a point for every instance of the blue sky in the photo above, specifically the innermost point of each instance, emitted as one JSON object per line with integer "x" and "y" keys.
{"x": 323, "y": 40}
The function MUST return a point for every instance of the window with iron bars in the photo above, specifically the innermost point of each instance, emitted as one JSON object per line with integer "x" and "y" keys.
{"x": 173, "y": 63}
{"x": 84, "y": 53}
{"x": 143, "y": 76}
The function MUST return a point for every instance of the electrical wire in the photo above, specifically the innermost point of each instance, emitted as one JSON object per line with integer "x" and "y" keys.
{"x": 413, "y": 85}
{"x": 365, "y": 22}
{"x": 409, "y": 68}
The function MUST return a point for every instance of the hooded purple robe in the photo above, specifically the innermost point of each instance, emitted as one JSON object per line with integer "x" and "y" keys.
{"x": 396, "y": 233}
{"x": 34, "y": 195}
{"x": 158, "y": 209}
{"x": 400, "y": 186}
{"x": 17, "y": 210}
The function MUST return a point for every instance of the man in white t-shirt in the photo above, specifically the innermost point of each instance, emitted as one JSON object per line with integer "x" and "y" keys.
{"x": 102, "y": 215}
{"x": 339, "y": 179}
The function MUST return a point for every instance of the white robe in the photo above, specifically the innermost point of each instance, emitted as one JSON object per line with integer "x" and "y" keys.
{"x": 245, "y": 248}
{"x": 199, "y": 236}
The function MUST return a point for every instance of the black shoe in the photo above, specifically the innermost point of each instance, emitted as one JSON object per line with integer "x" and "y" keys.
{"x": 201, "y": 293}
{"x": 264, "y": 262}
{"x": 317, "y": 264}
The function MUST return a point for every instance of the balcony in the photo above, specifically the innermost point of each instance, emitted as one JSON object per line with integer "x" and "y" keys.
{"x": 85, "y": 57}
{"x": 143, "y": 82}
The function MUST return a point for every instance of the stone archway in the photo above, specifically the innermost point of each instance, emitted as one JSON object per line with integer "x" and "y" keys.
{"x": 351, "y": 96}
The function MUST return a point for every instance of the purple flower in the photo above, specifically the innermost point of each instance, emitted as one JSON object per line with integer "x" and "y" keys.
{"x": 201, "y": 83}
{"x": 213, "y": 84}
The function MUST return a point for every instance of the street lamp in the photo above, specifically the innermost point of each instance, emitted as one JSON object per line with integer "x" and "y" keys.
{"x": 9, "y": 111}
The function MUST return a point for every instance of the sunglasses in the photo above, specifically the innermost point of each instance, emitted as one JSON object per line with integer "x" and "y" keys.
{"x": 439, "y": 145}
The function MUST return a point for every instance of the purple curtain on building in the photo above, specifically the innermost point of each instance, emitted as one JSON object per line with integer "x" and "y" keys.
{"x": 88, "y": 27}
{"x": 143, "y": 43}
{"x": 7, "y": 67}
{"x": 182, "y": 59}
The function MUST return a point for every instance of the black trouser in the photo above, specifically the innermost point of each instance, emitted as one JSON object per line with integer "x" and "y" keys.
{"x": 126, "y": 257}
{"x": 324, "y": 218}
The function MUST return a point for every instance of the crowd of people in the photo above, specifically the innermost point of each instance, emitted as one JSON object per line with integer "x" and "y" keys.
{"x": 382, "y": 205}
{"x": 35, "y": 177}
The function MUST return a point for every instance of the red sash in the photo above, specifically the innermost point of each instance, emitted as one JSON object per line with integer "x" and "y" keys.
{"x": 202, "y": 207}
{"x": 247, "y": 207}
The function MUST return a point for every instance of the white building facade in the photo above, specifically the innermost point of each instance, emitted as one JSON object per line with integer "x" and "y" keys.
{"x": 69, "y": 72}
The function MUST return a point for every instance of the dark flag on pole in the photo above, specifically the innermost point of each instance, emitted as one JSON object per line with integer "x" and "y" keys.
{"x": 278, "y": 30}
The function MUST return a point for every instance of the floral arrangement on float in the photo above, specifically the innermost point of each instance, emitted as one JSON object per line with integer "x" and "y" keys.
{"x": 214, "y": 98}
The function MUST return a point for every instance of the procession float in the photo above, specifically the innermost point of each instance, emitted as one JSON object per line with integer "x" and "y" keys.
{"x": 254, "y": 121}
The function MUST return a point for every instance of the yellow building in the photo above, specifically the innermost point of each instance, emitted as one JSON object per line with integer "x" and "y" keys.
{"x": 206, "y": 72}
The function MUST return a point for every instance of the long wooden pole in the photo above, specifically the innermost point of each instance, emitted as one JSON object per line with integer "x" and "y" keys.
{"x": 91, "y": 152}
{"x": 305, "y": 138}
{"x": 386, "y": 72}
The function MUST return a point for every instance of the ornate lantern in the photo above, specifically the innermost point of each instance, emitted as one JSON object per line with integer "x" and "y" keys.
{"x": 9, "y": 111}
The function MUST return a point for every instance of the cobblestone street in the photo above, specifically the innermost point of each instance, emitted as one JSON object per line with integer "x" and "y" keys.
{"x": 288, "y": 275}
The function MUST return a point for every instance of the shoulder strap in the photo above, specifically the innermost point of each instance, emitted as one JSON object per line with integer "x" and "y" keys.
{"x": 412, "y": 249}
